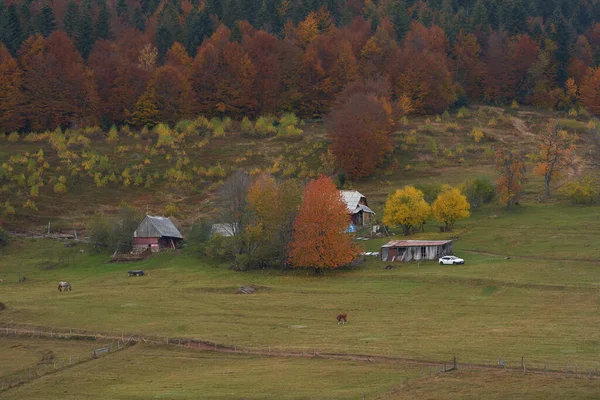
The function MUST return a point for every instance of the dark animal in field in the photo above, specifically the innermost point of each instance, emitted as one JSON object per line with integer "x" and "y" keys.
{"x": 64, "y": 286}
{"x": 388, "y": 267}
{"x": 342, "y": 318}
{"x": 136, "y": 272}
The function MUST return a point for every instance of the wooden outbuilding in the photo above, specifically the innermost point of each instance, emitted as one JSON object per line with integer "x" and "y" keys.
{"x": 358, "y": 208}
{"x": 156, "y": 233}
{"x": 408, "y": 250}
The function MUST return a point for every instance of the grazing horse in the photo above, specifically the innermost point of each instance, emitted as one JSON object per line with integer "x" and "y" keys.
{"x": 342, "y": 318}
{"x": 64, "y": 286}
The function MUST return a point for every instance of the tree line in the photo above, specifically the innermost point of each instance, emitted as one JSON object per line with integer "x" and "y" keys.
{"x": 78, "y": 63}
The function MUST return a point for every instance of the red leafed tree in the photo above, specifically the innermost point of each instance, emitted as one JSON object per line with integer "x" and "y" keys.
{"x": 360, "y": 126}
{"x": 495, "y": 68}
{"x": 119, "y": 78}
{"x": 467, "y": 59}
{"x": 421, "y": 72}
{"x": 319, "y": 240}
{"x": 223, "y": 77}
{"x": 172, "y": 92}
{"x": 590, "y": 91}
{"x": 523, "y": 53}
{"x": 60, "y": 89}
{"x": 264, "y": 51}
{"x": 11, "y": 97}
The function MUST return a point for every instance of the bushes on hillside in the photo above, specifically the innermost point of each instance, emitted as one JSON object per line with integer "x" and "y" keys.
{"x": 479, "y": 191}
{"x": 585, "y": 190}
{"x": 114, "y": 234}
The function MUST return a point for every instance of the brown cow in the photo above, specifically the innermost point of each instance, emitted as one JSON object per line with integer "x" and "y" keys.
{"x": 342, "y": 318}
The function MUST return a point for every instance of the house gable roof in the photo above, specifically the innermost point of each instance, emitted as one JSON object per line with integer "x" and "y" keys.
{"x": 352, "y": 199}
{"x": 157, "y": 227}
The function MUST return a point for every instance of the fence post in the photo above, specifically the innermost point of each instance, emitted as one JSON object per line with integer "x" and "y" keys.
{"x": 70, "y": 358}
{"x": 455, "y": 362}
{"x": 523, "y": 365}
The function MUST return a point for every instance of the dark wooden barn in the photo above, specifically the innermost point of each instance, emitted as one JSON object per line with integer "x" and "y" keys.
{"x": 156, "y": 233}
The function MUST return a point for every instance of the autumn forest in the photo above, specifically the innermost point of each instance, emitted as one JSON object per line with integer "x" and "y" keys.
{"x": 68, "y": 63}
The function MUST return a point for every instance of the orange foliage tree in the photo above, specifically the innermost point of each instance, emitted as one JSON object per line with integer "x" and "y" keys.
{"x": 556, "y": 152}
{"x": 11, "y": 98}
{"x": 360, "y": 126}
{"x": 60, "y": 89}
{"x": 319, "y": 240}
{"x": 421, "y": 72}
{"x": 590, "y": 91}
{"x": 511, "y": 167}
{"x": 172, "y": 92}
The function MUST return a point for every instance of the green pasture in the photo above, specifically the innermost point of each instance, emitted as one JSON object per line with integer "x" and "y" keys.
{"x": 544, "y": 308}
{"x": 145, "y": 372}
{"x": 20, "y": 354}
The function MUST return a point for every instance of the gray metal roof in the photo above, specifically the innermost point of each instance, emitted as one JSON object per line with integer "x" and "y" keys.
{"x": 157, "y": 227}
{"x": 416, "y": 243}
{"x": 352, "y": 200}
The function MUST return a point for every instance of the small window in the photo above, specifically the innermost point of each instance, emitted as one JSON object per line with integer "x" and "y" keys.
{"x": 423, "y": 252}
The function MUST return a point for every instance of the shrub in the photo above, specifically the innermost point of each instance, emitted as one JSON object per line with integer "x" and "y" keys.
{"x": 477, "y": 134}
{"x": 246, "y": 126}
{"x": 479, "y": 191}
{"x": 3, "y": 238}
{"x": 446, "y": 115}
{"x": 432, "y": 145}
{"x": 572, "y": 113}
{"x": 264, "y": 126}
{"x": 463, "y": 112}
{"x": 492, "y": 122}
{"x": 514, "y": 105}
{"x": 113, "y": 134}
{"x": 199, "y": 233}
{"x": 451, "y": 127}
{"x": 171, "y": 210}
{"x": 13, "y": 137}
{"x": 9, "y": 210}
{"x": 287, "y": 125}
{"x": 584, "y": 190}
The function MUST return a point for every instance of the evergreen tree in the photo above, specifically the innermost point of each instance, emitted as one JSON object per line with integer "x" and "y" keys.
{"x": 231, "y": 13}
{"x": 198, "y": 27}
{"x": 13, "y": 33}
{"x": 562, "y": 36}
{"x": 84, "y": 37}
{"x": 139, "y": 21}
{"x": 515, "y": 20}
{"x": 168, "y": 30}
{"x": 122, "y": 9}
{"x": 71, "y": 19}
{"x": 213, "y": 7}
{"x": 103, "y": 23}
{"x": 398, "y": 14}
{"x": 46, "y": 23}
{"x": 479, "y": 15}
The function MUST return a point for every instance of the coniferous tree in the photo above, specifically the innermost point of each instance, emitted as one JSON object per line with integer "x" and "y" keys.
{"x": 71, "y": 19}
{"x": 198, "y": 27}
{"x": 13, "y": 33}
{"x": 139, "y": 21}
{"x": 400, "y": 18}
{"x": 562, "y": 36}
{"x": 102, "y": 27}
{"x": 85, "y": 38}
{"x": 46, "y": 23}
{"x": 122, "y": 9}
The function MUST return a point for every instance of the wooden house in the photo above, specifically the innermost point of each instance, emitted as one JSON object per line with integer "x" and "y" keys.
{"x": 156, "y": 233}
{"x": 358, "y": 208}
{"x": 408, "y": 250}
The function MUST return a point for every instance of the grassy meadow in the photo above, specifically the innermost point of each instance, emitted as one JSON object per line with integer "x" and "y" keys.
{"x": 539, "y": 303}
{"x": 529, "y": 287}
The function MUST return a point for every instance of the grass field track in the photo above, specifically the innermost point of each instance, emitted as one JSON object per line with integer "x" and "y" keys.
{"x": 540, "y": 258}
{"x": 194, "y": 344}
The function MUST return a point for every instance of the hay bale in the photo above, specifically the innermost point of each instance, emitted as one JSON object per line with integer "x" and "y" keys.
{"x": 246, "y": 289}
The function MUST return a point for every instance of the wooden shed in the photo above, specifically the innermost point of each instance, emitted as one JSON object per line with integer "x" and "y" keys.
{"x": 156, "y": 233}
{"x": 358, "y": 208}
{"x": 408, "y": 250}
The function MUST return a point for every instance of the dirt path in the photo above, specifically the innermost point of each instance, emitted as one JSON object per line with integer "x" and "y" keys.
{"x": 194, "y": 345}
{"x": 536, "y": 258}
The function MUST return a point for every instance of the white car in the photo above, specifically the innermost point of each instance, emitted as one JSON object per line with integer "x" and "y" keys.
{"x": 451, "y": 260}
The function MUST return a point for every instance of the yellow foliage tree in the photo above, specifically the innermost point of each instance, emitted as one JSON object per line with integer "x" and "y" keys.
{"x": 450, "y": 206}
{"x": 407, "y": 208}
